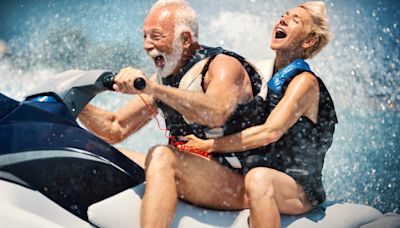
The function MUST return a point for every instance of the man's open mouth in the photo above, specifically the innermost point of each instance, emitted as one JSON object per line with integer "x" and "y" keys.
{"x": 159, "y": 61}
{"x": 280, "y": 33}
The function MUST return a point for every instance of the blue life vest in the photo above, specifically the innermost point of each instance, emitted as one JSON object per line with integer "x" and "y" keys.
{"x": 278, "y": 80}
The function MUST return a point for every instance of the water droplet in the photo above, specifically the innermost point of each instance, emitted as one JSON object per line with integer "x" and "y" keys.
{"x": 386, "y": 30}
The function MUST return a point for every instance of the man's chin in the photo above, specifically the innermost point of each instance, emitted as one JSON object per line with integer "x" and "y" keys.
{"x": 162, "y": 73}
{"x": 166, "y": 70}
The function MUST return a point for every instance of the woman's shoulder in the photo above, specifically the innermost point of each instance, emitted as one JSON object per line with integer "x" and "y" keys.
{"x": 307, "y": 77}
{"x": 305, "y": 80}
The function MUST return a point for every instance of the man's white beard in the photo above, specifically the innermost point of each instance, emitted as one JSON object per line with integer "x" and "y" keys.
{"x": 170, "y": 61}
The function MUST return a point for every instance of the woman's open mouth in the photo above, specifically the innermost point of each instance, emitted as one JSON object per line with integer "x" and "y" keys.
{"x": 280, "y": 33}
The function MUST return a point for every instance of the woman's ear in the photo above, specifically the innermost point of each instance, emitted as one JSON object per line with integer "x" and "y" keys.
{"x": 186, "y": 39}
{"x": 309, "y": 42}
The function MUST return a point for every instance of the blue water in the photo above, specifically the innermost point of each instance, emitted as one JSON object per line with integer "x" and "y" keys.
{"x": 360, "y": 67}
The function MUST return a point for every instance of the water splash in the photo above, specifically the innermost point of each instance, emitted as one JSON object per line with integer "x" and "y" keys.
{"x": 360, "y": 67}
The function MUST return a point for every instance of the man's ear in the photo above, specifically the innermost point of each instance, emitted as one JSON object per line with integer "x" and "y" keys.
{"x": 186, "y": 39}
{"x": 309, "y": 42}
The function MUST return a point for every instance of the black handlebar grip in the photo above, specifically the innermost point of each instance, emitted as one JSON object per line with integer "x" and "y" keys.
{"x": 108, "y": 80}
{"x": 139, "y": 83}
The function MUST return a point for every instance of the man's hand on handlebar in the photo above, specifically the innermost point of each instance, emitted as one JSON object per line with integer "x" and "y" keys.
{"x": 124, "y": 81}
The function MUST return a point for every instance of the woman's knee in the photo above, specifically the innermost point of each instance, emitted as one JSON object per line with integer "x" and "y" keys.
{"x": 160, "y": 156}
{"x": 259, "y": 183}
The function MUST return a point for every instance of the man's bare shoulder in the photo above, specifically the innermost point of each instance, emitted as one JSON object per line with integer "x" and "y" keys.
{"x": 226, "y": 59}
{"x": 225, "y": 65}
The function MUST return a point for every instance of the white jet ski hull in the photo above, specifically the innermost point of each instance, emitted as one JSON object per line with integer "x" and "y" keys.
{"x": 123, "y": 210}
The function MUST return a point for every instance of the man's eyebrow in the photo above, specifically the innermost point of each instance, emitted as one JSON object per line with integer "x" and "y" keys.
{"x": 152, "y": 30}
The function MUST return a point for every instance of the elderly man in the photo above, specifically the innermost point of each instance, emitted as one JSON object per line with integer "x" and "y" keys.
{"x": 208, "y": 92}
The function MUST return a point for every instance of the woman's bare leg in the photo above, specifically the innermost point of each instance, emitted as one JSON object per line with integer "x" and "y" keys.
{"x": 271, "y": 193}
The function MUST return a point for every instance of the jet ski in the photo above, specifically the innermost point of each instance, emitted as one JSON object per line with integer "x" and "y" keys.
{"x": 54, "y": 173}
{"x": 44, "y": 150}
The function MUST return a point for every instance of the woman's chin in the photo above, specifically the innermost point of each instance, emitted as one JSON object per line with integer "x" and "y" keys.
{"x": 275, "y": 47}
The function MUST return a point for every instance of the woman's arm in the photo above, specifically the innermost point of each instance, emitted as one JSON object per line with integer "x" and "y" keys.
{"x": 301, "y": 94}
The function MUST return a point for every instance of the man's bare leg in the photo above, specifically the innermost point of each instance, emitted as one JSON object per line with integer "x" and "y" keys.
{"x": 270, "y": 193}
{"x": 137, "y": 157}
{"x": 171, "y": 174}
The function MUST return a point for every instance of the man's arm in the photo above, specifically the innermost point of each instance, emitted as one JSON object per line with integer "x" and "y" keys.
{"x": 116, "y": 126}
{"x": 224, "y": 87}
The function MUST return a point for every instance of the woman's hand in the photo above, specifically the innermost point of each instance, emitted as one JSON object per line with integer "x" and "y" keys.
{"x": 194, "y": 142}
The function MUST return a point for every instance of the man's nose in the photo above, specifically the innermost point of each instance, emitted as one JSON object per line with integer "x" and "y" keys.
{"x": 148, "y": 44}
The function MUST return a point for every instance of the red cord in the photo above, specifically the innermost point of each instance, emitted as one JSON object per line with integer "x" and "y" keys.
{"x": 181, "y": 146}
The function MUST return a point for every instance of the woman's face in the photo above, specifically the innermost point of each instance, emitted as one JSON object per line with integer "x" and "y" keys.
{"x": 290, "y": 32}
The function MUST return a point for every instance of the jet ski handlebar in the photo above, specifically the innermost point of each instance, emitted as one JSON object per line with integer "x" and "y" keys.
{"x": 108, "y": 81}
{"x": 139, "y": 83}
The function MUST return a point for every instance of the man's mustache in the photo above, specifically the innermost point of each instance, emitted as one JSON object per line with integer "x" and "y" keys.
{"x": 154, "y": 53}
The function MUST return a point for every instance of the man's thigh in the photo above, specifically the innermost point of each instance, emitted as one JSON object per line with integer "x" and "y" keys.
{"x": 209, "y": 184}
{"x": 137, "y": 157}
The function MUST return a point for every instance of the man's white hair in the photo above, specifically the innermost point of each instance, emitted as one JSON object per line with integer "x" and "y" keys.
{"x": 186, "y": 19}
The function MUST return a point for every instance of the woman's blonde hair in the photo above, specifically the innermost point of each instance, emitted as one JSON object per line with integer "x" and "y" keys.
{"x": 320, "y": 27}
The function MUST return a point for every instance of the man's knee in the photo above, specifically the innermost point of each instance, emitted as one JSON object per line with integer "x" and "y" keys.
{"x": 259, "y": 183}
{"x": 160, "y": 156}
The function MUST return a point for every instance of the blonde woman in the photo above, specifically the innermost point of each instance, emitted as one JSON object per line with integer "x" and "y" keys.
{"x": 286, "y": 177}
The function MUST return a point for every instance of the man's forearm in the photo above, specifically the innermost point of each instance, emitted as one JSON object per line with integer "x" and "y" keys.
{"x": 197, "y": 107}
{"x": 99, "y": 122}
{"x": 115, "y": 127}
